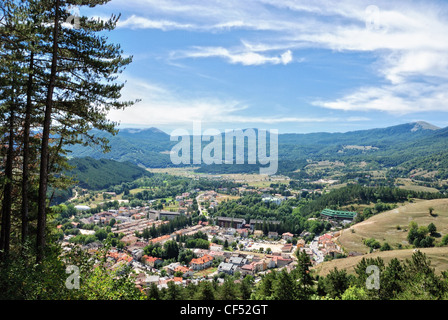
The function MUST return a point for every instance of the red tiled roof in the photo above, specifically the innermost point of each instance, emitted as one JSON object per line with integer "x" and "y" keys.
{"x": 204, "y": 259}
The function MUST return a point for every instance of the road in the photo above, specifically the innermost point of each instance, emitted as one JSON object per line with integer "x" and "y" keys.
{"x": 198, "y": 200}
{"x": 314, "y": 246}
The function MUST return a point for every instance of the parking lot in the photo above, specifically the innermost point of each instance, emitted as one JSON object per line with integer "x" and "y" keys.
{"x": 250, "y": 245}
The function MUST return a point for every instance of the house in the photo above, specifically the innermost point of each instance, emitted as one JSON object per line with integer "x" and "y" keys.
{"x": 287, "y": 247}
{"x": 248, "y": 269}
{"x": 281, "y": 261}
{"x": 216, "y": 247}
{"x": 153, "y": 262}
{"x": 270, "y": 263}
{"x": 228, "y": 222}
{"x": 201, "y": 263}
{"x": 200, "y": 252}
{"x": 152, "y": 279}
{"x": 260, "y": 265}
{"x": 272, "y": 234}
{"x": 186, "y": 272}
{"x": 239, "y": 261}
{"x": 129, "y": 240}
{"x": 325, "y": 237}
{"x": 228, "y": 268}
{"x": 219, "y": 255}
{"x": 170, "y": 269}
{"x": 137, "y": 216}
{"x": 300, "y": 243}
{"x": 287, "y": 236}
{"x": 137, "y": 253}
{"x": 120, "y": 257}
{"x": 161, "y": 239}
{"x": 242, "y": 232}
{"x": 258, "y": 233}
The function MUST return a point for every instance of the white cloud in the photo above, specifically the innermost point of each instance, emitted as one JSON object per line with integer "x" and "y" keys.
{"x": 235, "y": 56}
{"x": 409, "y": 39}
{"x": 397, "y": 99}
{"x": 136, "y": 22}
{"x": 160, "y": 106}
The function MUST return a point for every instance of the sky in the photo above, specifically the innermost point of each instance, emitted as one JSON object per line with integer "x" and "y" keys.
{"x": 291, "y": 65}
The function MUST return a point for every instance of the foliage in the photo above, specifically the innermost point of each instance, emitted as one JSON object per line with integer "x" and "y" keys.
{"x": 101, "y": 174}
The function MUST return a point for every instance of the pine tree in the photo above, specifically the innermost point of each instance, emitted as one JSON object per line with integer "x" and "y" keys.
{"x": 81, "y": 89}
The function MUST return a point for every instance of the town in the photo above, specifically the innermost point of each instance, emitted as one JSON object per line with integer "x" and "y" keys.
{"x": 227, "y": 246}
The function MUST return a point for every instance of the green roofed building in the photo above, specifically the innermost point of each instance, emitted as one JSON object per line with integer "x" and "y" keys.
{"x": 340, "y": 215}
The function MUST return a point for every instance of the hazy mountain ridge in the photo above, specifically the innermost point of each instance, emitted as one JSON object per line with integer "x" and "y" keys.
{"x": 389, "y": 146}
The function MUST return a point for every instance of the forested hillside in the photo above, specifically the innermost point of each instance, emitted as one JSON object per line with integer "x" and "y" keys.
{"x": 411, "y": 143}
{"x": 100, "y": 174}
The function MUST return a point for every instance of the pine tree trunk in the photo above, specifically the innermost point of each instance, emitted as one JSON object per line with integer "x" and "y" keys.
{"x": 26, "y": 151}
{"x": 43, "y": 177}
{"x": 7, "y": 192}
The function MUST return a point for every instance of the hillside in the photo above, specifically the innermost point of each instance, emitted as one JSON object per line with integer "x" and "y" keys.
{"x": 146, "y": 147}
{"x": 383, "y": 226}
{"x": 405, "y": 147}
{"x": 438, "y": 257}
{"x": 100, "y": 174}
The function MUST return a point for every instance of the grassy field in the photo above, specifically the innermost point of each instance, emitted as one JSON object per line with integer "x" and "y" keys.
{"x": 409, "y": 185}
{"x": 391, "y": 226}
{"x": 183, "y": 172}
{"x": 97, "y": 199}
{"x": 437, "y": 255}
{"x": 255, "y": 180}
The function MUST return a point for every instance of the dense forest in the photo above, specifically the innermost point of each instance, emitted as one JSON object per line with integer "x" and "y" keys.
{"x": 100, "y": 174}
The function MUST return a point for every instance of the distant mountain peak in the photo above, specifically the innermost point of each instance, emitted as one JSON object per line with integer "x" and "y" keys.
{"x": 423, "y": 125}
{"x": 139, "y": 130}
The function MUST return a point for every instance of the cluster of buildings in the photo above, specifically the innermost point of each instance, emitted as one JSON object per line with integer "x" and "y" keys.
{"x": 214, "y": 260}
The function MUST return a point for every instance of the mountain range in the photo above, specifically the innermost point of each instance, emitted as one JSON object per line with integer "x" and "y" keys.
{"x": 401, "y": 145}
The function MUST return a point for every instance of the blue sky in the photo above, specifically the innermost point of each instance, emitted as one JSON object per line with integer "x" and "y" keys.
{"x": 295, "y": 66}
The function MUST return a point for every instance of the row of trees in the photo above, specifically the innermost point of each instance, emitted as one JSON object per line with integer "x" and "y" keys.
{"x": 372, "y": 279}
{"x": 58, "y": 80}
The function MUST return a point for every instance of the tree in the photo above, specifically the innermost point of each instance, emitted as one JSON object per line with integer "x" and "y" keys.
{"x": 246, "y": 287}
{"x": 302, "y": 274}
{"x": 336, "y": 283}
{"x": 70, "y": 87}
{"x": 445, "y": 240}
{"x": 265, "y": 289}
{"x": 228, "y": 290}
{"x": 392, "y": 280}
{"x": 153, "y": 293}
{"x": 170, "y": 249}
{"x": 385, "y": 247}
{"x": 432, "y": 229}
{"x": 285, "y": 288}
{"x": 205, "y": 291}
{"x": 354, "y": 293}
